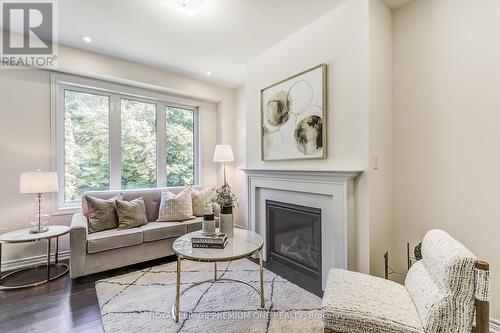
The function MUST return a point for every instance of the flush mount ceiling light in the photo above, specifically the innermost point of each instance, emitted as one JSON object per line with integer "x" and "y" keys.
{"x": 209, "y": 73}
{"x": 87, "y": 39}
{"x": 188, "y": 7}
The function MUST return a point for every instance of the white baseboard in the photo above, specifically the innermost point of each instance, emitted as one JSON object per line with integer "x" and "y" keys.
{"x": 494, "y": 325}
{"x": 31, "y": 261}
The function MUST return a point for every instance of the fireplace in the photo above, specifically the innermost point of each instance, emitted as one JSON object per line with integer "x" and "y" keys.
{"x": 330, "y": 191}
{"x": 294, "y": 243}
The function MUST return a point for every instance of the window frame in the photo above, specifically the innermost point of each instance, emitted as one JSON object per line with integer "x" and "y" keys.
{"x": 115, "y": 92}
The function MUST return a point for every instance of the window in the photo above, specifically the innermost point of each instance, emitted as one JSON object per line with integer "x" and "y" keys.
{"x": 180, "y": 146}
{"x": 86, "y": 143}
{"x": 138, "y": 144}
{"x": 115, "y": 137}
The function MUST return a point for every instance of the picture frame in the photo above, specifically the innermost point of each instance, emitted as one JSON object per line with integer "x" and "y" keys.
{"x": 293, "y": 114}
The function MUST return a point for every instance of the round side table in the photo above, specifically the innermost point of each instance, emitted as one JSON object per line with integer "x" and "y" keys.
{"x": 53, "y": 270}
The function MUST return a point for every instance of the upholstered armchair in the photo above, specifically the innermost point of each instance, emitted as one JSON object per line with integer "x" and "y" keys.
{"x": 443, "y": 292}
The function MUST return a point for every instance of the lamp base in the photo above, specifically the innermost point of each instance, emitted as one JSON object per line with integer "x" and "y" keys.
{"x": 40, "y": 220}
{"x": 39, "y": 231}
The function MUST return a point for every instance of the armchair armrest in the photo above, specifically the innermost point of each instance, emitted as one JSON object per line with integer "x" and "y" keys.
{"x": 78, "y": 245}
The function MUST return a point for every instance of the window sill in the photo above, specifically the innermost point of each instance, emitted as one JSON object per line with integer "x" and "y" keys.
{"x": 67, "y": 211}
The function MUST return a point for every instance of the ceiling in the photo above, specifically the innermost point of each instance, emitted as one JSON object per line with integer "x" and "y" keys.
{"x": 394, "y": 4}
{"x": 220, "y": 38}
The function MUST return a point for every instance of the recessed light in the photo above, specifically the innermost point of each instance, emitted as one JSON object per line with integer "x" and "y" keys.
{"x": 87, "y": 39}
{"x": 209, "y": 73}
{"x": 188, "y": 7}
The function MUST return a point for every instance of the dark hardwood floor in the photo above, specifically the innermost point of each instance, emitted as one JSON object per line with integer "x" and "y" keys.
{"x": 63, "y": 305}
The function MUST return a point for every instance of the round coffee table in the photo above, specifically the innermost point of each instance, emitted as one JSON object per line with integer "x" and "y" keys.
{"x": 24, "y": 236}
{"x": 243, "y": 244}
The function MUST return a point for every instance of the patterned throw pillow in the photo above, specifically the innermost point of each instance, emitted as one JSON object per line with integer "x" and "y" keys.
{"x": 201, "y": 201}
{"x": 102, "y": 213}
{"x": 176, "y": 207}
{"x": 131, "y": 213}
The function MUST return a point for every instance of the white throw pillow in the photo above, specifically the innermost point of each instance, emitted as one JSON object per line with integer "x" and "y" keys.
{"x": 201, "y": 201}
{"x": 175, "y": 207}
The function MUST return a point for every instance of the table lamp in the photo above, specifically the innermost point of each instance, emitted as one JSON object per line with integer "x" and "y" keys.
{"x": 223, "y": 153}
{"x": 38, "y": 182}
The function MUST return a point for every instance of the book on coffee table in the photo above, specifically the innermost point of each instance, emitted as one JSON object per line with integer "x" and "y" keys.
{"x": 218, "y": 239}
{"x": 209, "y": 245}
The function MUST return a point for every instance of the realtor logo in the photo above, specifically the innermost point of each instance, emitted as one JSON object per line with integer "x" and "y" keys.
{"x": 28, "y": 34}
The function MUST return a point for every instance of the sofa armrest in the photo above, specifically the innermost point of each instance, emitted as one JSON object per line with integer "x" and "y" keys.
{"x": 78, "y": 245}
{"x": 79, "y": 221}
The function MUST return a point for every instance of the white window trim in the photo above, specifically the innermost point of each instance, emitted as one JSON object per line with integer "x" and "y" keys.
{"x": 115, "y": 92}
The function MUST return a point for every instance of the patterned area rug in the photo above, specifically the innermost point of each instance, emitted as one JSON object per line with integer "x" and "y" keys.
{"x": 141, "y": 301}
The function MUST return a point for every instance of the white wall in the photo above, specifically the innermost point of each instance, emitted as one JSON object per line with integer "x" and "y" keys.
{"x": 24, "y": 146}
{"x": 446, "y": 126}
{"x": 239, "y": 177}
{"x": 380, "y": 172}
{"x": 25, "y": 127}
{"x": 339, "y": 39}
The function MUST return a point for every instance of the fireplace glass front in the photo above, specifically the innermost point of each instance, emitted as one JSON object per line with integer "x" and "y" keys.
{"x": 294, "y": 240}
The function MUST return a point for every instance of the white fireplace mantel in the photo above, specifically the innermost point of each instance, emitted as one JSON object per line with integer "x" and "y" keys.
{"x": 331, "y": 191}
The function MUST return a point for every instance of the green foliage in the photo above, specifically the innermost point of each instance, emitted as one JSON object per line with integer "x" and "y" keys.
{"x": 224, "y": 197}
{"x": 86, "y": 144}
{"x": 180, "y": 149}
{"x": 138, "y": 144}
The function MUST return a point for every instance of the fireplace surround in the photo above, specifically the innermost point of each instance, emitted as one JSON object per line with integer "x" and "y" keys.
{"x": 329, "y": 191}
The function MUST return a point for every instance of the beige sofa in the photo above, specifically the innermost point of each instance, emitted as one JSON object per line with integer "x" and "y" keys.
{"x": 104, "y": 250}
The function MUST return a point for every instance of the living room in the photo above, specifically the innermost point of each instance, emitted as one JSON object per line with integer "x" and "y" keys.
{"x": 249, "y": 166}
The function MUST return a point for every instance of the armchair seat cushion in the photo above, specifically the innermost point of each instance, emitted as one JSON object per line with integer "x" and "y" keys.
{"x": 359, "y": 303}
{"x": 113, "y": 239}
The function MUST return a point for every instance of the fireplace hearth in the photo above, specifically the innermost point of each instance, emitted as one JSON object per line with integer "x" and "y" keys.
{"x": 294, "y": 243}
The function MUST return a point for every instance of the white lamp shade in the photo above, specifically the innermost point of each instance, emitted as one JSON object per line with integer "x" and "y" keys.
{"x": 223, "y": 153}
{"x": 38, "y": 182}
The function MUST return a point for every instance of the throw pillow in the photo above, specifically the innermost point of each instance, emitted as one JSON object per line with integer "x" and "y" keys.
{"x": 176, "y": 207}
{"x": 102, "y": 213}
{"x": 201, "y": 201}
{"x": 131, "y": 213}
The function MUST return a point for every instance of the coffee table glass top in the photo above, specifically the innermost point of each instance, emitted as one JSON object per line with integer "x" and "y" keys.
{"x": 241, "y": 245}
{"x": 24, "y": 235}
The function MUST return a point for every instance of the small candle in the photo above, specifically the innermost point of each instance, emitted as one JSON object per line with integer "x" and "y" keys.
{"x": 208, "y": 224}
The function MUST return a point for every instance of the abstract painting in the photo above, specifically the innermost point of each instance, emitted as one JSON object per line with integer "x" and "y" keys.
{"x": 293, "y": 117}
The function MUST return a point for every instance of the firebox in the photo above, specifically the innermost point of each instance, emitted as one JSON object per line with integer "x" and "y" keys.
{"x": 294, "y": 243}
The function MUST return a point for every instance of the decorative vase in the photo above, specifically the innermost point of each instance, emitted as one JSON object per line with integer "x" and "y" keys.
{"x": 226, "y": 221}
{"x": 208, "y": 224}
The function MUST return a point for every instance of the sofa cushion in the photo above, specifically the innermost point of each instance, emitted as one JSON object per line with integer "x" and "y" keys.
{"x": 102, "y": 213}
{"x": 154, "y": 231}
{"x": 152, "y": 198}
{"x": 359, "y": 303}
{"x": 113, "y": 239}
{"x": 176, "y": 207}
{"x": 131, "y": 213}
{"x": 194, "y": 224}
{"x": 201, "y": 201}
